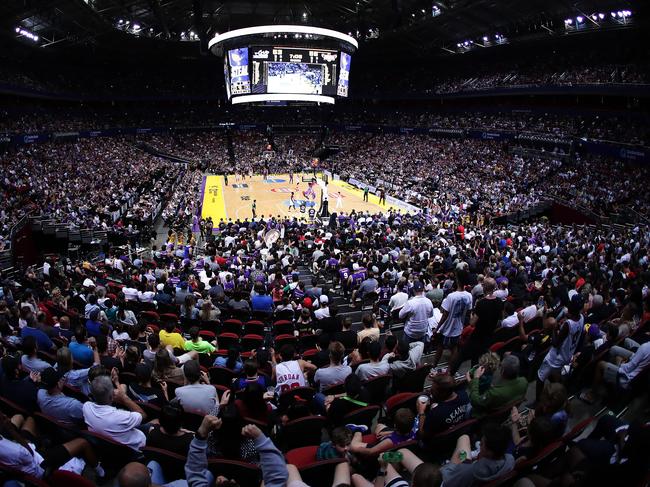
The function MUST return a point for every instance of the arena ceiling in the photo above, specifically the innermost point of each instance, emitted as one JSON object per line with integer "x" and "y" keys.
{"x": 188, "y": 24}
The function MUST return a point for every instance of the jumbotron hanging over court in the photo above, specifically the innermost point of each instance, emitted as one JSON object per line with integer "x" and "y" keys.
{"x": 285, "y": 63}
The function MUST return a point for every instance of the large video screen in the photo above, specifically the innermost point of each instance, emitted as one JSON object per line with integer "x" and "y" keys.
{"x": 294, "y": 78}
{"x": 344, "y": 76}
{"x": 291, "y": 73}
{"x": 240, "y": 81}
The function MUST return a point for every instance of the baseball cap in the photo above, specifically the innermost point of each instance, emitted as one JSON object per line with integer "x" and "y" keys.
{"x": 324, "y": 299}
{"x": 50, "y": 377}
{"x": 593, "y": 331}
{"x": 160, "y": 287}
{"x": 418, "y": 286}
{"x": 307, "y": 302}
{"x": 88, "y": 283}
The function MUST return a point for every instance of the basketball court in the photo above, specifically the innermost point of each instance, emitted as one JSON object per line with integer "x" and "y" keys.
{"x": 272, "y": 197}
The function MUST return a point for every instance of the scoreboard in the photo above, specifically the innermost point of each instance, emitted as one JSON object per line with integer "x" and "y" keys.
{"x": 309, "y": 64}
{"x": 279, "y": 69}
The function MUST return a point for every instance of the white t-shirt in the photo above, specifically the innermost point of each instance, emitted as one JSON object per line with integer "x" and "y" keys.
{"x": 510, "y": 321}
{"x": 457, "y": 304}
{"x": 288, "y": 376}
{"x": 529, "y": 313}
{"x": 117, "y": 424}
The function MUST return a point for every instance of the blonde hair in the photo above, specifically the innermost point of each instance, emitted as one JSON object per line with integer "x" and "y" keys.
{"x": 490, "y": 361}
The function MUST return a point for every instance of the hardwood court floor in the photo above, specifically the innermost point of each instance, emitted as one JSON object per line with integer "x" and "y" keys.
{"x": 272, "y": 197}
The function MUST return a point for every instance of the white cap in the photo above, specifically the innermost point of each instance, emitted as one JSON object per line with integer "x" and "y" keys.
{"x": 88, "y": 283}
{"x": 160, "y": 287}
{"x": 324, "y": 299}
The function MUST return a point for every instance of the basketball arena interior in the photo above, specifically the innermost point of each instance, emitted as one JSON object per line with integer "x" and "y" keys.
{"x": 342, "y": 243}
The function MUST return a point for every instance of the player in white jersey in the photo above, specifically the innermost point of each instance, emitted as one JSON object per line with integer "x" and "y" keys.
{"x": 565, "y": 342}
{"x": 290, "y": 373}
{"x": 339, "y": 200}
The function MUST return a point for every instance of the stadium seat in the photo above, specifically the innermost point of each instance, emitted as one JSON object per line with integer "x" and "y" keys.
{"x": 401, "y": 400}
{"x": 313, "y": 472}
{"x": 412, "y": 381}
{"x": 362, "y": 416}
{"x": 304, "y": 431}
{"x": 63, "y": 478}
{"x": 221, "y": 376}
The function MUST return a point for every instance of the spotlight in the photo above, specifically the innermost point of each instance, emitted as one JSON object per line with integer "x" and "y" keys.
{"x": 601, "y": 16}
{"x": 136, "y": 27}
{"x": 568, "y": 21}
{"x": 485, "y": 38}
{"x": 18, "y": 29}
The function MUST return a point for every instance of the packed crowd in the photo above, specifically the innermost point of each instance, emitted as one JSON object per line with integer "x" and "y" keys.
{"x": 227, "y": 364}
{"x": 92, "y": 183}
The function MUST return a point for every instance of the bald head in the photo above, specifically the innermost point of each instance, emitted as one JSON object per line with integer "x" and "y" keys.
{"x": 134, "y": 475}
{"x": 489, "y": 285}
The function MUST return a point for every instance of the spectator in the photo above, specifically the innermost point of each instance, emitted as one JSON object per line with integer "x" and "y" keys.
{"x": 117, "y": 424}
{"x": 508, "y": 388}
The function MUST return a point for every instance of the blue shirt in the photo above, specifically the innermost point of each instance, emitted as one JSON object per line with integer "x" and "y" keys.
{"x": 221, "y": 362}
{"x": 81, "y": 353}
{"x": 93, "y": 328}
{"x": 42, "y": 340}
{"x": 61, "y": 407}
{"x": 262, "y": 303}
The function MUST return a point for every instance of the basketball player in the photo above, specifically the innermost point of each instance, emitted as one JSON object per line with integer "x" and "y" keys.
{"x": 291, "y": 177}
{"x": 339, "y": 200}
{"x": 225, "y": 179}
{"x": 292, "y": 202}
{"x": 254, "y": 208}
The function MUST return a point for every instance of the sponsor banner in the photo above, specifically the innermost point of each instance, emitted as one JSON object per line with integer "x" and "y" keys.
{"x": 392, "y": 201}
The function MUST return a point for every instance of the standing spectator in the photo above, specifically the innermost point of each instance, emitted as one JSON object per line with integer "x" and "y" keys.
{"x": 417, "y": 312}
{"x": 454, "y": 310}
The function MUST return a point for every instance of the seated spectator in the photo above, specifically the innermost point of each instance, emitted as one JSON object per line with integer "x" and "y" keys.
{"x": 289, "y": 373}
{"x": 102, "y": 417}
{"x": 304, "y": 323}
{"x": 449, "y": 405}
{"x": 405, "y": 358}
{"x": 489, "y": 463}
{"x": 29, "y": 359}
{"x": 422, "y": 474}
{"x": 77, "y": 378}
{"x": 376, "y": 367}
{"x": 627, "y": 366}
{"x": 143, "y": 390}
{"x": 42, "y": 340}
{"x": 81, "y": 348}
{"x": 346, "y": 336}
{"x": 261, "y": 301}
{"x": 169, "y": 336}
{"x": 197, "y": 344}
{"x": 405, "y": 430}
{"x": 336, "y": 372}
{"x": 370, "y": 328}
{"x": 509, "y": 387}
{"x": 251, "y": 376}
{"x": 21, "y": 449}
{"x": 338, "y": 405}
{"x": 232, "y": 361}
{"x": 107, "y": 360}
{"x": 54, "y": 403}
{"x": 337, "y": 447}
{"x": 165, "y": 369}
{"x": 197, "y": 395}
{"x": 93, "y": 323}
{"x": 188, "y": 308}
{"x": 22, "y": 391}
{"x": 168, "y": 434}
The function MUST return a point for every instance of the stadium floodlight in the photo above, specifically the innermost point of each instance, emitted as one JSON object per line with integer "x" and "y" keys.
{"x": 580, "y": 18}
{"x": 435, "y": 11}
{"x": 121, "y": 21}
{"x": 25, "y": 33}
{"x": 485, "y": 38}
{"x": 601, "y": 16}
{"x": 136, "y": 27}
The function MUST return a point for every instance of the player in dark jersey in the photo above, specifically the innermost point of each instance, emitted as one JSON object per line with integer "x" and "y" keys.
{"x": 292, "y": 202}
